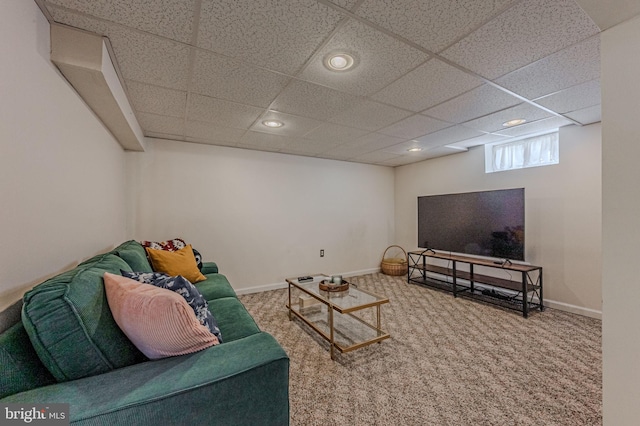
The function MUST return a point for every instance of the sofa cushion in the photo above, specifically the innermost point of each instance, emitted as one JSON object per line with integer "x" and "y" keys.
{"x": 70, "y": 325}
{"x": 180, "y": 262}
{"x": 135, "y": 255}
{"x": 233, "y": 318}
{"x": 94, "y": 259}
{"x": 21, "y": 367}
{"x": 158, "y": 321}
{"x": 244, "y": 382}
{"x": 209, "y": 268}
{"x": 185, "y": 289}
{"x": 215, "y": 286}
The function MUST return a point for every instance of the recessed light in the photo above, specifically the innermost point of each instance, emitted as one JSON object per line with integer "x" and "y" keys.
{"x": 273, "y": 123}
{"x": 339, "y": 61}
{"x": 514, "y": 122}
{"x": 415, "y": 149}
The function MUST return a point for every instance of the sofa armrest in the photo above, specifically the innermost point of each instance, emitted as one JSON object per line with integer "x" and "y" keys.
{"x": 209, "y": 268}
{"x": 243, "y": 382}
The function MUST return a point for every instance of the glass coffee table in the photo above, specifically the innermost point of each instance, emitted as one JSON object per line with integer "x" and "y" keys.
{"x": 330, "y": 313}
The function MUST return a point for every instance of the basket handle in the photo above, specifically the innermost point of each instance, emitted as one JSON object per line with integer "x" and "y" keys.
{"x": 385, "y": 252}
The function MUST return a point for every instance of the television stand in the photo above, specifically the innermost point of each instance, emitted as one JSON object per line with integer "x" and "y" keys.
{"x": 520, "y": 294}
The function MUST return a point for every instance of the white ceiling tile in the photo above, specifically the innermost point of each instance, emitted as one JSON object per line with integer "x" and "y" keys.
{"x": 380, "y": 59}
{"x": 223, "y": 113}
{"x": 427, "y": 85}
{"x": 414, "y": 157}
{"x": 265, "y": 141}
{"x": 575, "y": 98}
{"x": 536, "y": 126}
{"x": 344, "y": 152}
{"x": 403, "y": 148}
{"x": 140, "y": 56}
{"x": 574, "y": 65}
{"x": 413, "y": 127}
{"x": 527, "y": 32}
{"x": 448, "y": 136}
{"x": 375, "y": 157}
{"x": 224, "y": 78}
{"x": 441, "y": 151}
{"x": 213, "y": 132}
{"x": 369, "y": 115}
{"x": 480, "y": 101}
{"x": 480, "y": 140}
{"x": 309, "y": 147}
{"x": 374, "y": 141}
{"x": 335, "y": 133}
{"x": 161, "y": 124}
{"x": 153, "y": 60}
{"x": 169, "y": 18}
{"x": 311, "y": 100}
{"x": 493, "y": 122}
{"x": 400, "y": 160}
{"x": 157, "y": 100}
{"x": 293, "y": 125}
{"x": 279, "y": 35}
{"x": 588, "y": 115}
{"x": 433, "y": 24}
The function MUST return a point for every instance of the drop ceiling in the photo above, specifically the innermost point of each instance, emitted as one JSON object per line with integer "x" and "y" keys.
{"x": 440, "y": 75}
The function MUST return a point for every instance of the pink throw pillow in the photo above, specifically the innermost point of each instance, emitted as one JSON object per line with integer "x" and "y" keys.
{"x": 159, "y": 322}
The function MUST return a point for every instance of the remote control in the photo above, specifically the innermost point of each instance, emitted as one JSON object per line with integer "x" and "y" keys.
{"x": 305, "y": 279}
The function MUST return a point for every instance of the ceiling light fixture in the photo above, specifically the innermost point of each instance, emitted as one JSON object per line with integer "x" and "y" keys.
{"x": 339, "y": 61}
{"x": 273, "y": 123}
{"x": 415, "y": 149}
{"x": 515, "y": 122}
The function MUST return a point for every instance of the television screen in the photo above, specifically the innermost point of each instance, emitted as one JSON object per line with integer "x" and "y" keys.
{"x": 487, "y": 223}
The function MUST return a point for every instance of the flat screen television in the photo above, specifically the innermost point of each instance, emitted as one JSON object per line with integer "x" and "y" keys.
{"x": 486, "y": 223}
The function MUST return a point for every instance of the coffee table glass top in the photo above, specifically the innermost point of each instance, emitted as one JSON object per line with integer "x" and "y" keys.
{"x": 334, "y": 314}
{"x": 342, "y": 301}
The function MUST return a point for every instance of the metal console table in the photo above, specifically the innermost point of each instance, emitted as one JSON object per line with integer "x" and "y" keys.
{"x": 524, "y": 295}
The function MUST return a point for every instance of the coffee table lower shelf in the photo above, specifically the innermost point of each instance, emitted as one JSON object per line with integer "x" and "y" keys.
{"x": 333, "y": 314}
{"x": 349, "y": 331}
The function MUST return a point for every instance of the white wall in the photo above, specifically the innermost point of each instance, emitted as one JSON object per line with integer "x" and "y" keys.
{"x": 61, "y": 173}
{"x": 261, "y": 216}
{"x": 562, "y": 211}
{"x": 620, "y": 59}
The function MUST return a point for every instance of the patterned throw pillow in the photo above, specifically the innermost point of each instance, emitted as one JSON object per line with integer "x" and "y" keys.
{"x": 183, "y": 287}
{"x": 173, "y": 245}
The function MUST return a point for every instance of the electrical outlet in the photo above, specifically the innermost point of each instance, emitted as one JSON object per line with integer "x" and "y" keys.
{"x": 321, "y": 253}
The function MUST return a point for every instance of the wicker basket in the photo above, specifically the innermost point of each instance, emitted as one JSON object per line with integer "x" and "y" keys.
{"x": 395, "y": 265}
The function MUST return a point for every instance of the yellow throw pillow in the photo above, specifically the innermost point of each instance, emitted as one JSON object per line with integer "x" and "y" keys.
{"x": 181, "y": 262}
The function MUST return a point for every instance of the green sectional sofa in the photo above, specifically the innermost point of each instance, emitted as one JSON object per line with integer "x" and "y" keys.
{"x": 68, "y": 349}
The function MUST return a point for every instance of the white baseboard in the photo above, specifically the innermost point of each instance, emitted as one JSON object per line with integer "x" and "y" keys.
{"x": 561, "y": 306}
{"x": 261, "y": 288}
{"x": 283, "y": 284}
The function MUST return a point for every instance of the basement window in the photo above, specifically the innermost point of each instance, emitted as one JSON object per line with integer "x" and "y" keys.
{"x": 531, "y": 151}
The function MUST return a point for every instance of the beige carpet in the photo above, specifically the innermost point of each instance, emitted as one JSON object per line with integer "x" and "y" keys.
{"x": 448, "y": 362}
